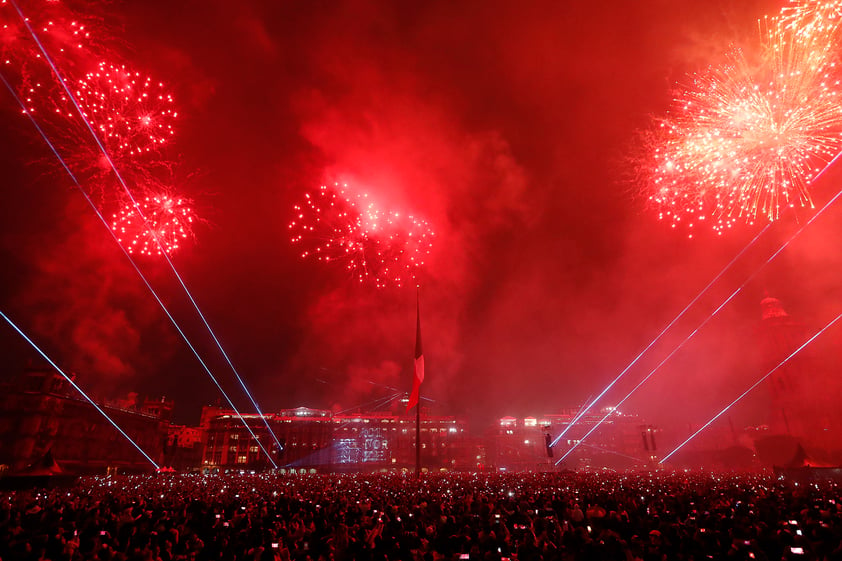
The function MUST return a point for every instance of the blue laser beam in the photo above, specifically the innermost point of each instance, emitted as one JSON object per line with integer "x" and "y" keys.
{"x": 78, "y": 389}
{"x": 719, "y": 308}
{"x": 701, "y": 293}
{"x": 128, "y": 256}
{"x": 138, "y": 209}
{"x": 375, "y": 403}
{"x": 752, "y": 387}
{"x": 693, "y": 301}
{"x": 373, "y": 383}
{"x": 660, "y": 364}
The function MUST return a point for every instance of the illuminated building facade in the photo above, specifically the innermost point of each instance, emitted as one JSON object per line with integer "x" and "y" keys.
{"x": 522, "y": 444}
{"x": 373, "y": 441}
{"x": 40, "y": 412}
{"x": 318, "y": 439}
{"x": 303, "y": 435}
{"x": 388, "y": 441}
{"x": 780, "y": 336}
{"x": 803, "y": 391}
{"x": 184, "y": 448}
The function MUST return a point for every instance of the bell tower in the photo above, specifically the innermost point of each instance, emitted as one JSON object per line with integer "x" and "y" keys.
{"x": 780, "y": 336}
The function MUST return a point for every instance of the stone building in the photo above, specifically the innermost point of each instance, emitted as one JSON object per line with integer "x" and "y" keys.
{"x": 41, "y": 412}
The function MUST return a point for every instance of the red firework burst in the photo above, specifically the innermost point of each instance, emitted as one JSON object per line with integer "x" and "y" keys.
{"x": 70, "y": 38}
{"x": 745, "y": 139}
{"x": 131, "y": 114}
{"x": 381, "y": 247}
{"x": 168, "y": 223}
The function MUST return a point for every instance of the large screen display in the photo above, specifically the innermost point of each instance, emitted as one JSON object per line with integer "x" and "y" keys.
{"x": 370, "y": 445}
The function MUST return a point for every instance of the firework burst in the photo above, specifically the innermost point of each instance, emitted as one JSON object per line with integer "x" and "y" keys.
{"x": 808, "y": 17}
{"x": 744, "y": 139}
{"x": 70, "y": 38}
{"x": 385, "y": 248}
{"x": 169, "y": 222}
{"x": 131, "y": 114}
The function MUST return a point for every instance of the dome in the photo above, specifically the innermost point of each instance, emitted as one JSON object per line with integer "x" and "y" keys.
{"x": 772, "y": 308}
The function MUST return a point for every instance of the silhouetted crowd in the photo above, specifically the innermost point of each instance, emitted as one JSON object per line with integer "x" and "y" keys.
{"x": 551, "y": 516}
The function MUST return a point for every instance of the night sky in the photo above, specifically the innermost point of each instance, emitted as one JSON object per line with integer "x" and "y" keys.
{"x": 511, "y": 127}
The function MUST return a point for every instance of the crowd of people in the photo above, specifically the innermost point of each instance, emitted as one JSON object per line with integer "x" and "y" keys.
{"x": 448, "y": 516}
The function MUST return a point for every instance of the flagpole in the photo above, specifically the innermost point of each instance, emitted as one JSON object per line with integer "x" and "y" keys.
{"x": 418, "y": 405}
{"x": 415, "y": 395}
{"x": 418, "y": 437}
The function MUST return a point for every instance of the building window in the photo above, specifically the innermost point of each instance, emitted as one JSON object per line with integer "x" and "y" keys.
{"x": 232, "y": 448}
{"x": 242, "y": 459}
{"x": 235, "y": 437}
{"x": 253, "y": 449}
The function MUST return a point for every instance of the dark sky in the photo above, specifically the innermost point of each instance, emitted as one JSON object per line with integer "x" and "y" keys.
{"x": 511, "y": 127}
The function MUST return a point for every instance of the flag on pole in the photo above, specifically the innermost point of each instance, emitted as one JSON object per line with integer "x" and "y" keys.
{"x": 419, "y": 361}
